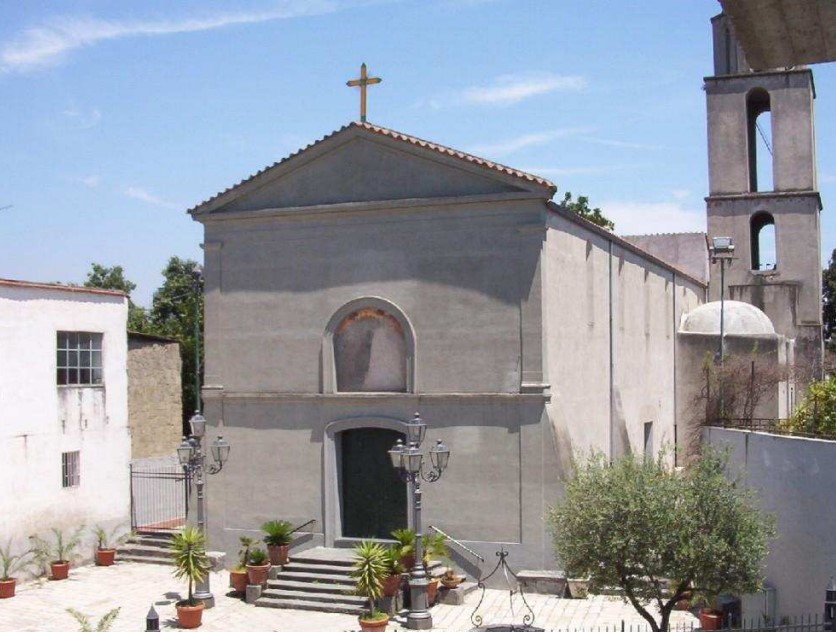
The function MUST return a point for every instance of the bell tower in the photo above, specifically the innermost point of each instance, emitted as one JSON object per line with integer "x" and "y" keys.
{"x": 763, "y": 192}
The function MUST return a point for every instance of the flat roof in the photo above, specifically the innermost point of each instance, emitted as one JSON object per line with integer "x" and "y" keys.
{"x": 58, "y": 287}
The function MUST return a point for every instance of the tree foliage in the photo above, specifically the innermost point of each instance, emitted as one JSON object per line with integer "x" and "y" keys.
{"x": 113, "y": 278}
{"x": 636, "y": 521}
{"x": 581, "y": 207}
{"x": 828, "y": 290}
{"x": 817, "y": 413}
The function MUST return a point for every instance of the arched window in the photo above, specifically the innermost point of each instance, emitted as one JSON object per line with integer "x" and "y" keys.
{"x": 370, "y": 352}
{"x": 764, "y": 254}
{"x": 759, "y": 122}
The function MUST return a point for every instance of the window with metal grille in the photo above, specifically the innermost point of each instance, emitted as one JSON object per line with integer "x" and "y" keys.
{"x": 79, "y": 358}
{"x": 70, "y": 469}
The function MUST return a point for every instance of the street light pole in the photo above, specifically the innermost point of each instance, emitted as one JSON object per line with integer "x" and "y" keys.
{"x": 722, "y": 250}
{"x": 409, "y": 462}
{"x": 191, "y": 456}
{"x": 197, "y": 276}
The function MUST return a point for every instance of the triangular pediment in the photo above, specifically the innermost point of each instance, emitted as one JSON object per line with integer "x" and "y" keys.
{"x": 362, "y": 163}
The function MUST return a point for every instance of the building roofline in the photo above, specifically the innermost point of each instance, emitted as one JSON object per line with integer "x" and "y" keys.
{"x": 138, "y": 335}
{"x": 59, "y": 287}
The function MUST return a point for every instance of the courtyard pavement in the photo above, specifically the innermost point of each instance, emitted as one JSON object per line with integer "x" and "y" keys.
{"x": 40, "y": 606}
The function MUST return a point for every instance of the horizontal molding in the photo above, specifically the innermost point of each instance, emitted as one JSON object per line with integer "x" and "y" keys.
{"x": 215, "y": 392}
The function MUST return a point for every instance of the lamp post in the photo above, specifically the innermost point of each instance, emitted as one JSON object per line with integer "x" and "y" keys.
{"x": 722, "y": 250}
{"x": 197, "y": 278}
{"x": 408, "y": 460}
{"x": 191, "y": 456}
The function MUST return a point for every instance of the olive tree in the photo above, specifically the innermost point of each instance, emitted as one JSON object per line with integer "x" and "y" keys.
{"x": 658, "y": 533}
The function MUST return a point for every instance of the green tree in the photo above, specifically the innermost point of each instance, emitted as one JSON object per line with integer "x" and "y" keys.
{"x": 817, "y": 413}
{"x": 581, "y": 207}
{"x": 113, "y": 278}
{"x": 633, "y": 522}
{"x": 177, "y": 312}
{"x": 828, "y": 292}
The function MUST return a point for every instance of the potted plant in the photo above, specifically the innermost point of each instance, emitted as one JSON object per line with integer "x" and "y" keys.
{"x": 406, "y": 547}
{"x": 9, "y": 565}
{"x": 279, "y": 534}
{"x": 60, "y": 554}
{"x": 711, "y": 618}
{"x": 238, "y": 574}
{"x": 106, "y": 543}
{"x": 257, "y": 566}
{"x": 191, "y": 563}
{"x": 369, "y": 571}
{"x": 450, "y": 580}
{"x": 105, "y": 623}
{"x": 392, "y": 560}
{"x": 435, "y": 546}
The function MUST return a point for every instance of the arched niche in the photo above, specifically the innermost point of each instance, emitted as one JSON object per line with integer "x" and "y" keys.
{"x": 763, "y": 241}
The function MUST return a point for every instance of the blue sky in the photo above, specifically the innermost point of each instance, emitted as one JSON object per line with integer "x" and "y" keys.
{"x": 117, "y": 117}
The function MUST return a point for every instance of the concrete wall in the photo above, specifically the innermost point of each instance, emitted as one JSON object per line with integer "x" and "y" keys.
{"x": 687, "y": 252}
{"x": 794, "y": 478}
{"x": 39, "y": 420}
{"x": 155, "y": 409}
{"x": 612, "y": 316}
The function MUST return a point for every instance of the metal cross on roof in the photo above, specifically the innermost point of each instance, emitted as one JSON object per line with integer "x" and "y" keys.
{"x": 363, "y": 81}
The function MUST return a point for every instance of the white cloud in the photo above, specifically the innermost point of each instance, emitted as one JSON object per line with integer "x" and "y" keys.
{"x": 91, "y": 181}
{"x": 641, "y": 218}
{"x": 681, "y": 194}
{"x": 49, "y": 43}
{"x": 621, "y": 143}
{"x": 510, "y": 89}
{"x": 82, "y": 119}
{"x": 141, "y": 194}
{"x": 526, "y": 140}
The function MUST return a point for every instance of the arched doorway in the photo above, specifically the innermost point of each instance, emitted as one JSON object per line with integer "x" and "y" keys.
{"x": 372, "y": 495}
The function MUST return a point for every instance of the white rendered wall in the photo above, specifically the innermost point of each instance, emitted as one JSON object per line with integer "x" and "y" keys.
{"x": 39, "y": 420}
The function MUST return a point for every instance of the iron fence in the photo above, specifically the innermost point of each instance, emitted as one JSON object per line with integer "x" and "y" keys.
{"x": 771, "y": 426}
{"x": 159, "y": 497}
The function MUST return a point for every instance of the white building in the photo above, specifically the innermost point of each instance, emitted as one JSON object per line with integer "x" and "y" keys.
{"x": 64, "y": 439}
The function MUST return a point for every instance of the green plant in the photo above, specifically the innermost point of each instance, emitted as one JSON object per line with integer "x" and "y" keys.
{"x": 246, "y": 543}
{"x": 392, "y": 559}
{"x": 435, "y": 546}
{"x": 279, "y": 532}
{"x": 110, "y": 539}
{"x": 634, "y": 521}
{"x": 405, "y": 539}
{"x": 817, "y": 413}
{"x": 257, "y": 557}
{"x": 190, "y": 559}
{"x": 105, "y": 623}
{"x": 368, "y": 571}
{"x": 11, "y": 563}
{"x": 62, "y": 549}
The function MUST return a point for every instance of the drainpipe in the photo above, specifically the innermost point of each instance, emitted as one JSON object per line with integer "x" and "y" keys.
{"x": 675, "y": 383}
{"x": 612, "y": 356}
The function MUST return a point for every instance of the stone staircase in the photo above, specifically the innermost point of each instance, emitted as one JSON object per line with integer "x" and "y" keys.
{"x": 149, "y": 548}
{"x": 318, "y": 579}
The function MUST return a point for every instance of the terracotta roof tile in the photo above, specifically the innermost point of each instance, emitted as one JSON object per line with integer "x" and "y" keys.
{"x": 389, "y": 133}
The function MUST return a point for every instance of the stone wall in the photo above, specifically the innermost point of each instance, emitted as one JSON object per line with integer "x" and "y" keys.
{"x": 155, "y": 405}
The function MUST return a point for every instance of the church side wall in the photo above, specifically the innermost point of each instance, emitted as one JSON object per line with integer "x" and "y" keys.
{"x": 611, "y": 347}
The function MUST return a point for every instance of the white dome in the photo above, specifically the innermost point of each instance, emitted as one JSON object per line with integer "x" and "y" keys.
{"x": 739, "y": 319}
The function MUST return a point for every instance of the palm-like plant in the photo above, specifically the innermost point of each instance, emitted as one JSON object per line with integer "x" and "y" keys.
{"x": 11, "y": 563}
{"x": 369, "y": 571}
{"x": 278, "y": 532}
{"x": 246, "y": 543}
{"x": 190, "y": 559}
{"x": 62, "y": 549}
{"x": 406, "y": 541}
{"x": 105, "y": 623}
{"x": 111, "y": 539}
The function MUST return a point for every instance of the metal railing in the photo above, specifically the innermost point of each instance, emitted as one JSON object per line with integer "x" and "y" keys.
{"x": 159, "y": 498}
{"x": 768, "y": 425}
{"x": 459, "y": 544}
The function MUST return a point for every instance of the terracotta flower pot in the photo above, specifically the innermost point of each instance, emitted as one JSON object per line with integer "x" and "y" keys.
{"x": 378, "y": 625}
{"x": 257, "y": 575}
{"x": 7, "y": 588}
{"x": 432, "y": 591}
{"x": 391, "y": 585}
{"x": 60, "y": 570}
{"x": 238, "y": 580}
{"x": 407, "y": 562}
{"x": 711, "y": 619}
{"x": 105, "y": 557}
{"x": 278, "y": 553}
{"x": 189, "y": 617}
{"x": 451, "y": 583}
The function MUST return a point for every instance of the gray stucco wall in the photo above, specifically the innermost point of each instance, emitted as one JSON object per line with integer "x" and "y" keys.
{"x": 795, "y": 479}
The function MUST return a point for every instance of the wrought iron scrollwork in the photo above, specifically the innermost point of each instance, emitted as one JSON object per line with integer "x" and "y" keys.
{"x": 514, "y": 587}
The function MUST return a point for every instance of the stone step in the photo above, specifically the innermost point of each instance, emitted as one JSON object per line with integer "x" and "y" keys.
{"x": 140, "y": 550}
{"x": 144, "y": 559}
{"x": 318, "y": 587}
{"x": 303, "y": 567}
{"x": 266, "y": 601}
{"x": 329, "y": 597}
{"x": 324, "y": 578}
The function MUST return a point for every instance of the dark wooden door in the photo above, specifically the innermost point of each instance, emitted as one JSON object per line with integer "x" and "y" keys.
{"x": 373, "y": 495}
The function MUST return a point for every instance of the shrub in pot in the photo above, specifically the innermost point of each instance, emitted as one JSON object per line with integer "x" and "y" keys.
{"x": 106, "y": 543}
{"x": 11, "y": 564}
{"x": 435, "y": 546}
{"x": 257, "y": 566}
{"x": 104, "y": 625}
{"x": 190, "y": 563}
{"x": 278, "y": 535}
{"x": 394, "y": 570}
{"x": 369, "y": 571}
{"x": 405, "y": 539}
{"x": 238, "y": 574}
{"x": 59, "y": 553}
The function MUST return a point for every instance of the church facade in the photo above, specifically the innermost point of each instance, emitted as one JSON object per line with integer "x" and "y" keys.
{"x": 373, "y": 275}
